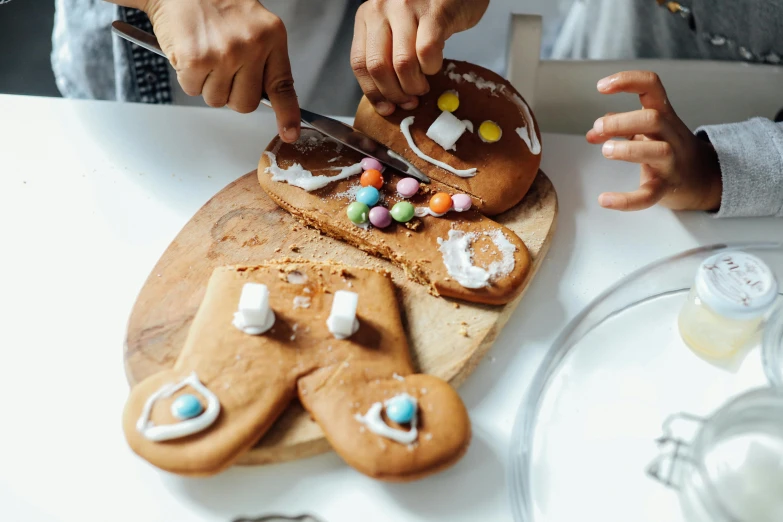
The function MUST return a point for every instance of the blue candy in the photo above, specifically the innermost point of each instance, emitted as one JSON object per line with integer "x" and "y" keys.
{"x": 368, "y": 195}
{"x": 401, "y": 409}
{"x": 186, "y": 407}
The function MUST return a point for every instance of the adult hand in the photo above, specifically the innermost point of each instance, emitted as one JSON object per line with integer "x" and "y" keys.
{"x": 229, "y": 52}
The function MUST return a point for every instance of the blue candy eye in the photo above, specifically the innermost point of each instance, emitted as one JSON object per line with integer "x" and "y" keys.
{"x": 186, "y": 407}
{"x": 368, "y": 195}
{"x": 400, "y": 409}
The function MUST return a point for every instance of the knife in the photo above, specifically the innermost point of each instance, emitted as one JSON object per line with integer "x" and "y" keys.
{"x": 336, "y": 130}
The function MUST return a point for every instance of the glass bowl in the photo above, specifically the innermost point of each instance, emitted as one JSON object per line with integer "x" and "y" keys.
{"x": 586, "y": 431}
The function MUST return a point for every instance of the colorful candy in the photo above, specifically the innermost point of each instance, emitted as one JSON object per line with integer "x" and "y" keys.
{"x": 371, "y": 164}
{"x": 489, "y": 132}
{"x": 461, "y": 202}
{"x": 186, "y": 406}
{"x": 368, "y": 195}
{"x": 407, "y": 187}
{"x": 400, "y": 409}
{"x": 402, "y": 212}
{"x": 448, "y": 101}
{"x": 358, "y": 212}
{"x": 380, "y": 217}
{"x": 440, "y": 203}
{"x": 372, "y": 178}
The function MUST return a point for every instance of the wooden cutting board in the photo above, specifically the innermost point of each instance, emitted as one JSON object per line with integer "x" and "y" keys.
{"x": 241, "y": 225}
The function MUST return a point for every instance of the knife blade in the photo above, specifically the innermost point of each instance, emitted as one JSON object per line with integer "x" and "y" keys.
{"x": 336, "y": 130}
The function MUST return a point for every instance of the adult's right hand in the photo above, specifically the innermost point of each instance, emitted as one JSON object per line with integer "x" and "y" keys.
{"x": 229, "y": 52}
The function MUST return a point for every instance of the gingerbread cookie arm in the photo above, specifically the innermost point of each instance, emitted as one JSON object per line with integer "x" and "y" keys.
{"x": 356, "y": 408}
{"x": 460, "y": 254}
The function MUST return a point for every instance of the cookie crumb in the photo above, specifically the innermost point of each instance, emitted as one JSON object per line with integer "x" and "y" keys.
{"x": 414, "y": 224}
{"x": 293, "y": 248}
{"x": 278, "y": 250}
{"x": 463, "y": 331}
{"x": 456, "y": 306}
{"x": 398, "y": 377}
{"x": 408, "y": 234}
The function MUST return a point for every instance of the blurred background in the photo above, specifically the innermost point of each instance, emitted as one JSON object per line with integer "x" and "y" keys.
{"x": 26, "y": 27}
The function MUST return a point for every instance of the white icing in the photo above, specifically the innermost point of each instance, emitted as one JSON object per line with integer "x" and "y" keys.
{"x": 297, "y": 176}
{"x": 446, "y": 130}
{"x": 471, "y": 77}
{"x": 458, "y": 258}
{"x": 426, "y": 211}
{"x": 301, "y": 301}
{"x": 254, "y": 316}
{"x": 375, "y": 423}
{"x": 296, "y": 277}
{"x": 468, "y": 125}
{"x": 405, "y": 127}
{"x": 342, "y": 321}
{"x": 179, "y": 429}
{"x": 334, "y": 159}
{"x": 398, "y": 377}
{"x": 528, "y": 132}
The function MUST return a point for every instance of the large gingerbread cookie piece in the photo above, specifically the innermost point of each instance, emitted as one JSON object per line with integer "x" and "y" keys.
{"x": 334, "y": 337}
{"x": 460, "y": 254}
{"x": 469, "y": 96}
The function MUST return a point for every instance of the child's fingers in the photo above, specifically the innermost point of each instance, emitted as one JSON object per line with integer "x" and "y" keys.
{"x": 657, "y": 154}
{"x": 649, "y": 122}
{"x": 646, "y": 84}
{"x": 644, "y": 197}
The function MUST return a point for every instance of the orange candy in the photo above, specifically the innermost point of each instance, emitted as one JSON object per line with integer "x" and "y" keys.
{"x": 372, "y": 178}
{"x": 440, "y": 203}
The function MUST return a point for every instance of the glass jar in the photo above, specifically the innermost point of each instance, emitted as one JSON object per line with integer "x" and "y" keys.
{"x": 734, "y": 469}
{"x": 731, "y": 294}
{"x": 772, "y": 348}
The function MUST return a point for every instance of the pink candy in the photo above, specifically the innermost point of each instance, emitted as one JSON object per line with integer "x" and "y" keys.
{"x": 460, "y": 202}
{"x": 407, "y": 187}
{"x": 372, "y": 164}
{"x": 380, "y": 217}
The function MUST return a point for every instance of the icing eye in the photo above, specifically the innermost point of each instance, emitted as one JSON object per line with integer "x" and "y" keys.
{"x": 490, "y": 132}
{"x": 448, "y": 101}
{"x": 186, "y": 407}
{"x": 401, "y": 409}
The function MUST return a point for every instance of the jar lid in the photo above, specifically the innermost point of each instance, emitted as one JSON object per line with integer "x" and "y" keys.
{"x": 736, "y": 285}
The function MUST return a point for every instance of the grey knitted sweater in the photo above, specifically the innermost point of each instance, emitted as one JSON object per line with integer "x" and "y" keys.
{"x": 751, "y": 152}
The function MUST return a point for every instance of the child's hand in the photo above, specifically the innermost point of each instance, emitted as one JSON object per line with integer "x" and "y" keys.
{"x": 679, "y": 170}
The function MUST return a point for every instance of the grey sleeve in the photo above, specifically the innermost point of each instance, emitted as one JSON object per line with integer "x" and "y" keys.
{"x": 751, "y": 163}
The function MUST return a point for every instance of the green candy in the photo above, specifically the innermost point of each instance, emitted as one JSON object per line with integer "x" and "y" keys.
{"x": 358, "y": 212}
{"x": 402, "y": 212}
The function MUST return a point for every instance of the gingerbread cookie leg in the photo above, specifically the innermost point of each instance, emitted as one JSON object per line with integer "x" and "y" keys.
{"x": 226, "y": 389}
{"x": 393, "y": 428}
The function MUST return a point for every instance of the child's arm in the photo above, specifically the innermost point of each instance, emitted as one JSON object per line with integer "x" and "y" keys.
{"x": 734, "y": 169}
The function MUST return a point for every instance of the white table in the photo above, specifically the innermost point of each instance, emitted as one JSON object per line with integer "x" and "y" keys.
{"x": 93, "y": 192}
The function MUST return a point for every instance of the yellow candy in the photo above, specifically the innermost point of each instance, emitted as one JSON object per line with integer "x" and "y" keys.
{"x": 448, "y": 101}
{"x": 490, "y": 132}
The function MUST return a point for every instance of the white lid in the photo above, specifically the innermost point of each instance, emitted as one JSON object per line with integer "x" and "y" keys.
{"x": 736, "y": 285}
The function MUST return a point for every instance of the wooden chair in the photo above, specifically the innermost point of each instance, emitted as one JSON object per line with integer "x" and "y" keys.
{"x": 564, "y": 97}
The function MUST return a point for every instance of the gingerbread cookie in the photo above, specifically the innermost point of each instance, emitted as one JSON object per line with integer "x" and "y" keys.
{"x": 330, "y": 335}
{"x": 436, "y": 235}
{"x": 472, "y": 132}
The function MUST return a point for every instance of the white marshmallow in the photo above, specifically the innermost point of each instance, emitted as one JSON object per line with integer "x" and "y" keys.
{"x": 254, "y": 316}
{"x": 342, "y": 321}
{"x": 446, "y": 130}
